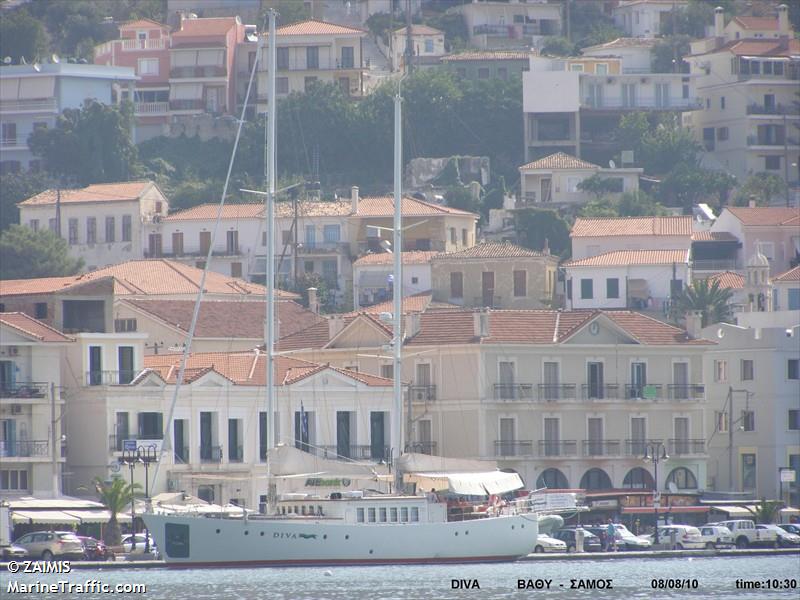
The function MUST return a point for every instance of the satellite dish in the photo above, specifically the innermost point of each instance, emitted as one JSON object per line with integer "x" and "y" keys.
{"x": 22, "y": 60}
{"x": 37, "y": 67}
{"x": 612, "y": 164}
{"x": 55, "y": 58}
{"x": 7, "y": 60}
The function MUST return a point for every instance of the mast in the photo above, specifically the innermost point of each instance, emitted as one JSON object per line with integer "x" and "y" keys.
{"x": 397, "y": 248}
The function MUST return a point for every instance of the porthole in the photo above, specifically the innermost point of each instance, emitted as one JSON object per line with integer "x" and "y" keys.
{"x": 512, "y": 527}
{"x": 217, "y": 530}
{"x": 262, "y": 534}
{"x": 370, "y": 551}
{"x": 466, "y": 532}
{"x": 247, "y": 533}
{"x": 456, "y": 534}
{"x": 324, "y": 537}
{"x": 347, "y": 537}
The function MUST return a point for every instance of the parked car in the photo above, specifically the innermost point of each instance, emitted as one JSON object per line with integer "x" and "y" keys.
{"x": 686, "y": 536}
{"x": 13, "y": 552}
{"x": 591, "y": 543}
{"x": 95, "y": 549}
{"x": 716, "y": 536}
{"x": 786, "y": 539}
{"x": 625, "y": 539}
{"x": 745, "y": 533}
{"x": 545, "y": 543}
{"x": 48, "y": 545}
{"x": 129, "y": 548}
{"x": 790, "y": 527}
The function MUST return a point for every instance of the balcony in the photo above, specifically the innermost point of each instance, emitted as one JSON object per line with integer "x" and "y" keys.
{"x": 642, "y": 103}
{"x": 352, "y": 452}
{"x": 151, "y": 108}
{"x": 115, "y": 441}
{"x": 776, "y": 141}
{"x": 649, "y": 391}
{"x": 42, "y": 104}
{"x": 686, "y": 447}
{"x": 422, "y": 393}
{"x": 692, "y": 392}
{"x": 24, "y": 389}
{"x": 513, "y": 391}
{"x": 24, "y": 448}
{"x": 210, "y": 454}
{"x": 715, "y": 264}
{"x": 558, "y": 449}
{"x": 601, "y": 448}
{"x": 637, "y": 448}
{"x": 323, "y": 248}
{"x": 512, "y": 31}
{"x": 194, "y": 104}
{"x": 130, "y": 45}
{"x": 109, "y": 377}
{"x": 592, "y": 391}
{"x": 554, "y": 392}
{"x": 422, "y": 448}
{"x": 513, "y": 448}
{"x": 774, "y": 109}
{"x": 206, "y": 71}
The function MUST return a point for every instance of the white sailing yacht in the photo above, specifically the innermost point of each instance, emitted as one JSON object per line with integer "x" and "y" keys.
{"x": 350, "y": 529}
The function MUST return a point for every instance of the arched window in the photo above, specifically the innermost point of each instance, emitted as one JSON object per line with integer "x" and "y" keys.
{"x": 683, "y": 479}
{"x": 596, "y": 479}
{"x": 552, "y": 478}
{"x": 638, "y": 478}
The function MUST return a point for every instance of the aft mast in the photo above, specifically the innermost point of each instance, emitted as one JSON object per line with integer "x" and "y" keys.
{"x": 397, "y": 248}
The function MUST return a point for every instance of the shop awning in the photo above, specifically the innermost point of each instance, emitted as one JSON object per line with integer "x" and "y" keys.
{"x": 649, "y": 510}
{"x": 745, "y": 512}
{"x": 54, "y": 517}
{"x": 469, "y": 484}
{"x": 97, "y": 516}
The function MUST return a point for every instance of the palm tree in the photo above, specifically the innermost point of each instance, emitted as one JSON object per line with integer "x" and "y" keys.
{"x": 712, "y": 301}
{"x": 765, "y": 511}
{"x": 115, "y": 495}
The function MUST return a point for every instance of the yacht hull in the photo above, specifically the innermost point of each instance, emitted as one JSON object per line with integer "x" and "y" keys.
{"x": 194, "y": 541}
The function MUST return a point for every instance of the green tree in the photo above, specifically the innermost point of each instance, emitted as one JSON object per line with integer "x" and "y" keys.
{"x": 762, "y": 187}
{"x": 667, "y": 146}
{"x": 589, "y": 25}
{"x": 558, "y": 46}
{"x": 711, "y": 300}
{"x": 17, "y": 187}
{"x": 535, "y": 226}
{"x": 115, "y": 495}
{"x": 629, "y": 204}
{"x": 28, "y": 254}
{"x": 460, "y": 196}
{"x": 598, "y": 186}
{"x": 686, "y": 185}
{"x": 22, "y": 35}
{"x": 691, "y": 20}
{"x": 91, "y": 144}
{"x": 668, "y": 52}
{"x": 766, "y": 511}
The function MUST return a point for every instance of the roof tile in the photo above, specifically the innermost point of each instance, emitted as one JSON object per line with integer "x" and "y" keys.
{"x": 757, "y": 23}
{"x": 728, "y": 279}
{"x": 790, "y": 275}
{"x": 32, "y": 327}
{"x": 312, "y": 27}
{"x": 625, "y": 226}
{"x": 766, "y": 215}
{"x": 490, "y": 250}
{"x": 97, "y": 192}
{"x": 559, "y": 160}
{"x": 632, "y": 257}
{"x": 203, "y": 27}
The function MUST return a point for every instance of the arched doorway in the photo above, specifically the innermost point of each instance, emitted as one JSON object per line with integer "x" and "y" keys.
{"x": 596, "y": 479}
{"x": 553, "y": 479}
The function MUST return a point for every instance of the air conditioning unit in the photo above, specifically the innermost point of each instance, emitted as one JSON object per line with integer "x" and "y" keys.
{"x": 16, "y": 409}
{"x": 13, "y": 351}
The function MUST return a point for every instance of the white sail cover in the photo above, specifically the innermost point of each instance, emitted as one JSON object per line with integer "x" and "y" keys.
{"x": 288, "y": 461}
{"x": 468, "y": 484}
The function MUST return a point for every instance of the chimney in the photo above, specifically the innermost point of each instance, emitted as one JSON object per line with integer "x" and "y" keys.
{"x": 412, "y": 325}
{"x": 335, "y": 325}
{"x": 783, "y": 20}
{"x": 719, "y": 23}
{"x": 751, "y": 203}
{"x": 694, "y": 324}
{"x": 546, "y": 247}
{"x": 354, "y": 199}
{"x": 313, "y": 301}
{"x": 480, "y": 320}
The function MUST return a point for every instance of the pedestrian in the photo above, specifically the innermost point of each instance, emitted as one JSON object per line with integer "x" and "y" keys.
{"x": 611, "y": 537}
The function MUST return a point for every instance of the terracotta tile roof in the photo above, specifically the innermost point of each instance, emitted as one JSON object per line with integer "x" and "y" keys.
{"x": 140, "y": 23}
{"x": 247, "y": 368}
{"x": 559, "y": 160}
{"x": 490, "y": 250}
{"x": 487, "y": 55}
{"x": 383, "y": 206}
{"x": 315, "y": 336}
{"x": 624, "y": 226}
{"x": 312, "y": 27}
{"x": 757, "y": 47}
{"x": 309, "y": 208}
{"x": 632, "y": 257}
{"x": 411, "y": 304}
{"x": 416, "y": 257}
{"x": 98, "y": 192}
{"x": 33, "y": 328}
{"x": 757, "y": 23}
{"x": 222, "y": 319}
{"x": 713, "y": 236}
{"x": 43, "y": 285}
{"x": 209, "y": 211}
{"x": 420, "y": 30}
{"x": 205, "y": 27}
{"x": 624, "y": 42}
{"x": 767, "y": 215}
{"x": 728, "y": 279}
{"x": 790, "y": 275}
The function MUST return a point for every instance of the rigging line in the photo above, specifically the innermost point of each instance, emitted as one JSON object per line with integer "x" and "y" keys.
{"x": 199, "y": 299}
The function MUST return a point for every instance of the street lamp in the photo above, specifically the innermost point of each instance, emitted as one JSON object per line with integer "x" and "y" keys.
{"x": 147, "y": 455}
{"x": 130, "y": 457}
{"x": 655, "y": 452}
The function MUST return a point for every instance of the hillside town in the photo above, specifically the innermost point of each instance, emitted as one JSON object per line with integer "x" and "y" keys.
{"x": 606, "y": 306}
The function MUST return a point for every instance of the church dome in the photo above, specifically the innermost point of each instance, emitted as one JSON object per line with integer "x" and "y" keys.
{"x": 758, "y": 260}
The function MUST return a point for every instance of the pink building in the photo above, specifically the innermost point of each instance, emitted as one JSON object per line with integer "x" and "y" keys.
{"x": 144, "y": 46}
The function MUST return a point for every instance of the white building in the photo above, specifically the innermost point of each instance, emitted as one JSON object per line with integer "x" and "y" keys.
{"x": 594, "y": 236}
{"x": 637, "y": 279}
{"x": 646, "y": 18}
{"x": 786, "y": 290}
{"x": 493, "y": 24}
{"x": 32, "y": 441}
{"x": 103, "y": 223}
{"x": 373, "y": 280}
{"x": 427, "y": 45}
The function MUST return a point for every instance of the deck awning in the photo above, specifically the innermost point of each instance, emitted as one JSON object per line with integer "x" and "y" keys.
{"x": 469, "y": 484}
{"x": 50, "y": 517}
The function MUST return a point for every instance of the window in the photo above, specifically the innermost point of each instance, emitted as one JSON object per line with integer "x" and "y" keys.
{"x": 331, "y": 234}
{"x": 126, "y": 228}
{"x": 794, "y": 419}
{"x": 746, "y": 367}
{"x": 772, "y": 163}
{"x": 371, "y": 515}
{"x": 151, "y": 425}
{"x": 576, "y": 68}
{"x": 721, "y": 421}
{"x": 413, "y": 280}
{"x": 453, "y": 237}
{"x": 312, "y": 57}
{"x": 14, "y": 479}
{"x": 457, "y": 285}
{"x": 308, "y": 266}
{"x": 722, "y": 102}
{"x": 748, "y": 420}
{"x": 359, "y": 511}
{"x": 91, "y": 230}
{"x": 52, "y": 225}
{"x": 177, "y": 243}
{"x": 147, "y": 66}
{"x": 382, "y": 515}
{"x": 520, "y": 284}
{"x": 794, "y": 299}
{"x": 722, "y": 134}
{"x": 282, "y": 58}
{"x": 9, "y": 134}
{"x": 748, "y": 471}
{"x": 428, "y": 46}
{"x": 502, "y": 73}
{"x": 124, "y": 325}
{"x": 483, "y": 73}
{"x": 232, "y": 242}
{"x": 281, "y": 84}
{"x": 464, "y": 237}
{"x": 110, "y": 228}
{"x": 34, "y": 224}
{"x": 587, "y": 293}
{"x": 414, "y": 514}
{"x": 720, "y": 370}
{"x": 347, "y": 57}
{"x": 236, "y": 269}
{"x": 73, "y": 232}
{"x": 569, "y": 289}
{"x": 404, "y": 514}
{"x": 387, "y": 371}
{"x": 330, "y": 272}
{"x": 612, "y": 287}
{"x": 708, "y": 138}
{"x": 40, "y": 310}
{"x": 793, "y": 368}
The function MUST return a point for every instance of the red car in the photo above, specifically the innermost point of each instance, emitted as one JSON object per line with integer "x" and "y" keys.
{"x": 95, "y": 549}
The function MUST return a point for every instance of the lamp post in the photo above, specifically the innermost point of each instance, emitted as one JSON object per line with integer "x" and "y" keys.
{"x": 655, "y": 452}
{"x": 147, "y": 455}
{"x": 130, "y": 457}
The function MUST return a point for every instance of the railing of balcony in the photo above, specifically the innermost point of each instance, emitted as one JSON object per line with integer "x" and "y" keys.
{"x": 322, "y": 247}
{"x": 24, "y": 448}
{"x": 555, "y": 449}
{"x": 195, "y": 104}
{"x": 115, "y": 441}
{"x": 23, "y": 389}
{"x": 210, "y": 454}
{"x": 198, "y": 71}
{"x": 643, "y": 102}
{"x": 10, "y": 142}
{"x": 649, "y": 391}
{"x": 513, "y": 391}
{"x": 754, "y": 140}
{"x": 129, "y": 45}
{"x": 28, "y": 105}
{"x": 685, "y": 447}
{"x": 638, "y": 447}
{"x": 422, "y": 393}
{"x": 549, "y": 392}
{"x": 601, "y": 448}
{"x": 422, "y": 448}
{"x": 775, "y": 109}
{"x": 353, "y": 452}
{"x": 591, "y": 391}
{"x": 513, "y": 447}
{"x": 692, "y": 392}
{"x": 109, "y": 377}
{"x": 150, "y": 108}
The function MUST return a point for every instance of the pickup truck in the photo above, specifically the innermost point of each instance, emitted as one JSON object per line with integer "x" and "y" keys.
{"x": 745, "y": 534}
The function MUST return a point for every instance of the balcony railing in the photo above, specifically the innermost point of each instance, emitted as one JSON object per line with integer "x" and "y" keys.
{"x": 210, "y": 454}
{"x": 109, "y": 377}
{"x": 322, "y": 247}
{"x": 198, "y": 71}
{"x": 648, "y": 391}
{"x": 639, "y": 447}
{"x": 23, "y": 389}
{"x": 24, "y": 448}
{"x": 775, "y": 109}
{"x": 422, "y": 448}
{"x": 195, "y": 104}
{"x": 649, "y": 103}
{"x": 754, "y": 140}
{"x": 601, "y": 448}
{"x": 10, "y": 143}
{"x": 422, "y": 393}
{"x": 512, "y": 31}
{"x": 556, "y": 449}
{"x": 487, "y": 301}
{"x": 549, "y": 392}
{"x": 353, "y": 452}
{"x": 513, "y": 447}
{"x": 150, "y": 108}
{"x": 687, "y": 447}
{"x": 692, "y": 392}
{"x": 513, "y": 391}
{"x": 28, "y": 105}
{"x": 591, "y": 391}
{"x": 130, "y": 45}
{"x": 115, "y": 441}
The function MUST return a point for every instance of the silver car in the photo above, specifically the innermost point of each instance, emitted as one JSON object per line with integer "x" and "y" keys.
{"x": 48, "y": 545}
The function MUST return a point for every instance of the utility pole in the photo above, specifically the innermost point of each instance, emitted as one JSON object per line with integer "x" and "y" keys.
{"x": 409, "y": 40}
{"x": 54, "y": 446}
{"x": 567, "y": 19}
{"x": 786, "y": 160}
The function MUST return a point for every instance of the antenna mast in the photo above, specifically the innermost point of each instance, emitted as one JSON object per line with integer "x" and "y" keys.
{"x": 397, "y": 248}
